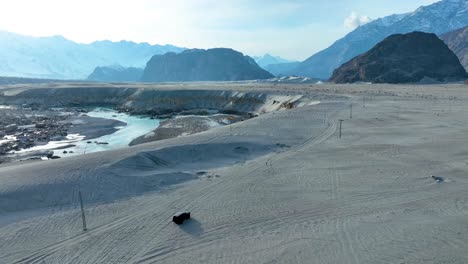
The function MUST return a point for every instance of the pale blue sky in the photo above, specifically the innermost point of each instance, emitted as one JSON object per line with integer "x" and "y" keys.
{"x": 293, "y": 29}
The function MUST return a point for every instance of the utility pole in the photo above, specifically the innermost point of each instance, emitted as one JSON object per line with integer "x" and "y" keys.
{"x": 84, "y": 152}
{"x": 231, "y": 120}
{"x": 351, "y": 111}
{"x": 82, "y": 212}
{"x": 341, "y": 122}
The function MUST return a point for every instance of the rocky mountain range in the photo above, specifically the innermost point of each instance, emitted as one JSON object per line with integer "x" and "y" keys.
{"x": 438, "y": 18}
{"x": 218, "y": 64}
{"x": 457, "y": 41}
{"x": 403, "y": 58}
{"x": 59, "y": 58}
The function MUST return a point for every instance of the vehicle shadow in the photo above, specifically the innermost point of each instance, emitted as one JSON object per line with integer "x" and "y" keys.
{"x": 192, "y": 227}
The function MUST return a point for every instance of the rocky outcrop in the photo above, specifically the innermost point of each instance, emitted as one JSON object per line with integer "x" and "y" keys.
{"x": 203, "y": 65}
{"x": 116, "y": 74}
{"x": 403, "y": 58}
{"x": 457, "y": 41}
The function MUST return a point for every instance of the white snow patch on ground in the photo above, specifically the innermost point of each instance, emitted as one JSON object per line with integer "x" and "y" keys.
{"x": 7, "y": 139}
{"x": 7, "y": 107}
{"x": 70, "y": 139}
{"x": 314, "y": 103}
{"x": 213, "y": 123}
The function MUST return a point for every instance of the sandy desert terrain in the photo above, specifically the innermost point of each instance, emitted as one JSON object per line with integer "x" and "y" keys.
{"x": 278, "y": 188}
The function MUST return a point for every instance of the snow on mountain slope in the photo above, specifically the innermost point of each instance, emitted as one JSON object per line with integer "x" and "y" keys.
{"x": 58, "y": 58}
{"x": 457, "y": 41}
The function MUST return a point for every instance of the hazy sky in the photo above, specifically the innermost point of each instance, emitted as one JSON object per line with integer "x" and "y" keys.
{"x": 293, "y": 29}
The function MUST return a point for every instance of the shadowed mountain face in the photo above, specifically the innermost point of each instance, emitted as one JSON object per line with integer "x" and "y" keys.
{"x": 457, "y": 41}
{"x": 403, "y": 58}
{"x": 281, "y": 69}
{"x": 438, "y": 18}
{"x": 116, "y": 74}
{"x": 60, "y": 58}
{"x": 203, "y": 65}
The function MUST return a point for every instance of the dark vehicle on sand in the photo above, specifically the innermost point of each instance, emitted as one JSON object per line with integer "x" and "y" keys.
{"x": 180, "y": 217}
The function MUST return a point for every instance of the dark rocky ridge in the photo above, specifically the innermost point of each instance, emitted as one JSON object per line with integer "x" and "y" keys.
{"x": 116, "y": 74}
{"x": 203, "y": 65}
{"x": 403, "y": 58}
{"x": 457, "y": 41}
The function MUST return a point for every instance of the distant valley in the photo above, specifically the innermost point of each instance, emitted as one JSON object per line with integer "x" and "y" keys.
{"x": 267, "y": 60}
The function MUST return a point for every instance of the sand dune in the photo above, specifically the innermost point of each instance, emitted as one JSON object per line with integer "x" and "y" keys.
{"x": 279, "y": 188}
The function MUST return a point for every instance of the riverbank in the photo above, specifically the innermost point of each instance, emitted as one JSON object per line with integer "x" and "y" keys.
{"x": 125, "y": 129}
{"x": 53, "y": 133}
{"x": 83, "y": 131}
{"x": 186, "y": 112}
{"x": 29, "y": 134}
{"x": 188, "y": 125}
